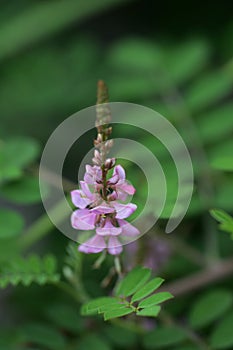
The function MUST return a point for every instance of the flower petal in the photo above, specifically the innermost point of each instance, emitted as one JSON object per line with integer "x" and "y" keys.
{"x": 85, "y": 188}
{"x": 95, "y": 244}
{"x": 126, "y": 187}
{"x": 83, "y": 219}
{"x": 128, "y": 229}
{"x": 109, "y": 229}
{"x": 79, "y": 199}
{"x": 104, "y": 209}
{"x": 124, "y": 210}
{"x": 119, "y": 170}
{"x": 114, "y": 246}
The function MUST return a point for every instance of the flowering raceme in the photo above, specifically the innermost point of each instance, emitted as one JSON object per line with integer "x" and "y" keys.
{"x": 99, "y": 200}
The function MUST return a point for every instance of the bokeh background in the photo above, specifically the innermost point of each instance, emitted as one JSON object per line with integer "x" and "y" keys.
{"x": 176, "y": 58}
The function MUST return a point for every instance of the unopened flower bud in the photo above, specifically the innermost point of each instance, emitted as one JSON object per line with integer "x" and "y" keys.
{"x": 109, "y": 163}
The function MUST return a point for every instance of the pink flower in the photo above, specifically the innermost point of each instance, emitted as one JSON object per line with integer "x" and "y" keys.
{"x": 105, "y": 215}
{"x": 119, "y": 184}
{"x": 93, "y": 174}
{"x": 83, "y": 219}
{"x": 97, "y": 244}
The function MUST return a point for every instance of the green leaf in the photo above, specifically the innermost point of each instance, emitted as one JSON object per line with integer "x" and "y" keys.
{"x": 133, "y": 281}
{"x": 24, "y": 29}
{"x": 209, "y": 307}
{"x": 226, "y": 221}
{"x": 120, "y": 312}
{"x": 149, "y": 288}
{"x": 153, "y": 311}
{"x": 155, "y": 299}
{"x": 65, "y": 316}
{"x": 135, "y": 55}
{"x": 43, "y": 336}
{"x": 221, "y": 216}
{"x": 25, "y": 191}
{"x": 164, "y": 337}
{"x": 222, "y": 163}
{"x": 186, "y": 59}
{"x": 92, "y": 307}
{"x": 11, "y": 223}
{"x": 222, "y": 336}
{"x": 93, "y": 342}
{"x": 15, "y": 154}
{"x": 209, "y": 89}
{"x": 120, "y": 337}
{"x": 28, "y": 270}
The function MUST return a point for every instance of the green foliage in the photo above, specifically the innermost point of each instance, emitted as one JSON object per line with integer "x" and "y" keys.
{"x": 164, "y": 337}
{"x": 24, "y": 191}
{"x": 226, "y": 221}
{"x": 11, "y": 223}
{"x": 222, "y": 336}
{"x": 43, "y": 335}
{"x": 132, "y": 284}
{"x": 209, "y": 307}
{"x": 28, "y": 270}
{"x": 15, "y": 155}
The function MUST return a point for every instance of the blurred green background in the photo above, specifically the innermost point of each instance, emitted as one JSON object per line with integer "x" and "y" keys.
{"x": 176, "y": 58}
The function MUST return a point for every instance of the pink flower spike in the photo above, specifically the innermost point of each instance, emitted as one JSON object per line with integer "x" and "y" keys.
{"x": 128, "y": 229}
{"x": 95, "y": 244}
{"x": 83, "y": 219}
{"x": 79, "y": 199}
{"x": 114, "y": 246}
{"x": 109, "y": 229}
{"x": 124, "y": 210}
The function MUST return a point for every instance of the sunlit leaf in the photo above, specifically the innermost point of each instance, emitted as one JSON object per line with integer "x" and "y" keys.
{"x": 134, "y": 280}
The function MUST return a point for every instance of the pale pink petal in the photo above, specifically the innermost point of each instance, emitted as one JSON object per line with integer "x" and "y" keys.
{"x": 128, "y": 229}
{"x": 109, "y": 229}
{"x": 93, "y": 174}
{"x": 95, "y": 244}
{"x": 119, "y": 170}
{"x": 114, "y": 246}
{"x": 113, "y": 180}
{"x": 124, "y": 210}
{"x": 126, "y": 187}
{"x": 104, "y": 209}
{"x": 83, "y": 219}
{"x": 86, "y": 191}
{"x": 79, "y": 199}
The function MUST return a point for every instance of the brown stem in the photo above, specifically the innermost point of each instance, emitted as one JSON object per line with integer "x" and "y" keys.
{"x": 201, "y": 279}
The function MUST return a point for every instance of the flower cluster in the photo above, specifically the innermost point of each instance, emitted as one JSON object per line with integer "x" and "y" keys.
{"x": 99, "y": 200}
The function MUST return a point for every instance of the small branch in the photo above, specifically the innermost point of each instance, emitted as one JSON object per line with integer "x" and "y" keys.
{"x": 198, "y": 280}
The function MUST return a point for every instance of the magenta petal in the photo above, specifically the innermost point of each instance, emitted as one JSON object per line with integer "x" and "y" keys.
{"x": 95, "y": 244}
{"x": 79, "y": 199}
{"x": 128, "y": 229}
{"x": 124, "y": 210}
{"x": 109, "y": 229}
{"x": 83, "y": 219}
{"x": 114, "y": 246}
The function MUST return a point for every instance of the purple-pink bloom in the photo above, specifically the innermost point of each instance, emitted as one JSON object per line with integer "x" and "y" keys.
{"x": 103, "y": 211}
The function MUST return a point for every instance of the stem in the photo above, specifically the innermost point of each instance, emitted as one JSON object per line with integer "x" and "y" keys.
{"x": 201, "y": 279}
